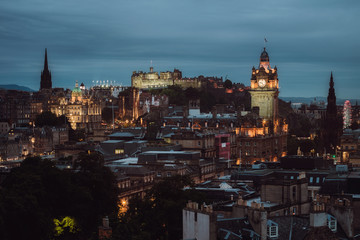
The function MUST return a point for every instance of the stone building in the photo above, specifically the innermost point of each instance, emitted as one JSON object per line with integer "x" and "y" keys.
{"x": 81, "y": 110}
{"x": 196, "y": 141}
{"x": 350, "y": 147}
{"x": 15, "y": 107}
{"x": 129, "y": 101}
{"x": 265, "y": 88}
{"x": 46, "y": 138}
{"x": 146, "y": 80}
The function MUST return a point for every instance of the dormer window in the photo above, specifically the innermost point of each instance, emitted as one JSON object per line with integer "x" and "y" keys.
{"x": 272, "y": 229}
{"x": 332, "y": 223}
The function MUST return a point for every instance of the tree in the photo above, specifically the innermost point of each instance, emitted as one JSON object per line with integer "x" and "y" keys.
{"x": 49, "y": 119}
{"x": 107, "y": 114}
{"x": 306, "y": 146}
{"x": 292, "y": 145}
{"x": 36, "y": 197}
{"x": 77, "y": 135}
{"x": 175, "y": 94}
{"x": 159, "y": 214}
{"x": 299, "y": 125}
{"x": 192, "y": 93}
{"x": 100, "y": 184}
{"x": 228, "y": 84}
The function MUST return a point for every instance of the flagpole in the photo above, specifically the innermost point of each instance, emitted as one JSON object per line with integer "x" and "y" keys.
{"x": 265, "y": 41}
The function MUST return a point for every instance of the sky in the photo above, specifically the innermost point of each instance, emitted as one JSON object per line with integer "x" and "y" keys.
{"x": 107, "y": 40}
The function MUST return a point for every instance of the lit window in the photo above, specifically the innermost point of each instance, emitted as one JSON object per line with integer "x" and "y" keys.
{"x": 311, "y": 179}
{"x": 119, "y": 151}
{"x": 317, "y": 180}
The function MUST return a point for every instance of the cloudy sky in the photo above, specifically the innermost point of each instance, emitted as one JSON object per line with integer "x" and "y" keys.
{"x": 106, "y": 40}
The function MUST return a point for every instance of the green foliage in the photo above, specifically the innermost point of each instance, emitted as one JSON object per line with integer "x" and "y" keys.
{"x": 65, "y": 226}
{"x": 292, "y": 145}
{"x": 207, "y": 101}
{"x": 77, "y": 135}
{"x": 176, "y": 95}
{"x": 192, "y": 93}
{"x": 299, "y": 125}
{"x": 37, "y": 192}
{"x": 49, "y": 119}
{"x": 159, "y": 215}
{"x": 306, "y": 146}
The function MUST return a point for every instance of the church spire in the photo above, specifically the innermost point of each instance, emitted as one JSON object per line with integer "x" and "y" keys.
{"x": 45, "y": 82}
{"x": 46, "y": 61}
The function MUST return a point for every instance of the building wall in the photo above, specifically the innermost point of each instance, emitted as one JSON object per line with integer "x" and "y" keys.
{"x": 197, "y": 225}
{"x": 152, "y": 79}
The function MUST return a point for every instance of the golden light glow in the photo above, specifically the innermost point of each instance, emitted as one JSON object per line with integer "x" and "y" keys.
{"x": 123, "y": 206}
{"x": 63, "y": 224}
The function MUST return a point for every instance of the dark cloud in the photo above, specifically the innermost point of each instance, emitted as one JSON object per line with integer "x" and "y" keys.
{"x": 107, "y": 40}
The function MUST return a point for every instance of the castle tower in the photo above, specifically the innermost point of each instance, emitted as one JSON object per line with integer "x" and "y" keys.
{"x": 45, "y": 75}
{"x": 265, "y": 88}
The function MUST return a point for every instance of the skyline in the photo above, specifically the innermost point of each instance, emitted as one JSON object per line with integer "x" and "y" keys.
{"x": 97, "y": 41}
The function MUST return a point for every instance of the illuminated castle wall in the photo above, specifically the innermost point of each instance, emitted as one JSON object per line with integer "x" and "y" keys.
{"x": 146, "y": 80}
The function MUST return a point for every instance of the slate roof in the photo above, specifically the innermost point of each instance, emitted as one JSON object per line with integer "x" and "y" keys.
{"x": 234, "y": 228}
{"x": 298, "y": 224}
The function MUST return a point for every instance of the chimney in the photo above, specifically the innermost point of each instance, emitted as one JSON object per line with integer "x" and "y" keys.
{"x": 318, "y": 216}
{"x": 106, "y": 222}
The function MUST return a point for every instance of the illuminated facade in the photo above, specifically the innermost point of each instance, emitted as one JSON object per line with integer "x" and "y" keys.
{"x": 262, "y": 135}
{"x": 129, "y": 101}
{"x": 265, "y": 88}
{"x": 146, "y": 80}
{"x": 81, "y": 110}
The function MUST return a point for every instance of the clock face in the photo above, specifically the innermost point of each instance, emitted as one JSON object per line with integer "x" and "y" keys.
{"x": 262, "y": 82}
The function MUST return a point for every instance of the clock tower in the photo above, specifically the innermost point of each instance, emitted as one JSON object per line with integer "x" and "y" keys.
{"x": 265, "y": 88}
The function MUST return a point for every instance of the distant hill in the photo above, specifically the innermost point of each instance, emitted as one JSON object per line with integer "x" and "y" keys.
{"x": 308, "y": 100}
{"x": 16, "y": 87}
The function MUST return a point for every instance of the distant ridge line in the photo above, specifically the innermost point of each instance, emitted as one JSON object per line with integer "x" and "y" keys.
{"x": 16, "y": 87}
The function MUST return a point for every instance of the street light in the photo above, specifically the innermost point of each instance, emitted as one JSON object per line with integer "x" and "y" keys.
{"x": 112, "y": 109}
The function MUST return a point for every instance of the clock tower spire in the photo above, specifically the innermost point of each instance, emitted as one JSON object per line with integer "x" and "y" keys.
{"x": 265, "y": 88}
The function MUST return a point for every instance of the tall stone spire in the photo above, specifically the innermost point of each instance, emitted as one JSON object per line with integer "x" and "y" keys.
{"x": 331, "y": 106}
{"x": 46, "y": 61}
{"x": 332, "y": 124}
{"x": 45, "y": 82}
